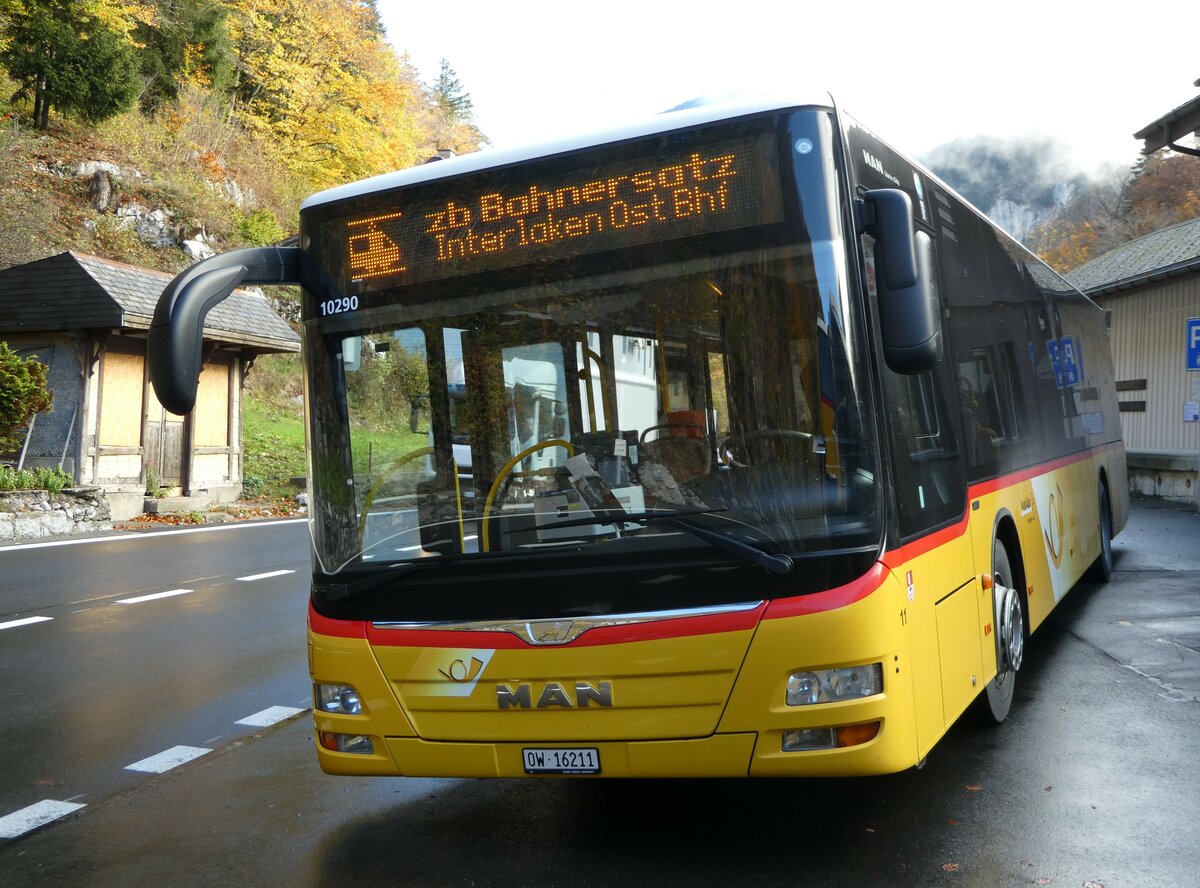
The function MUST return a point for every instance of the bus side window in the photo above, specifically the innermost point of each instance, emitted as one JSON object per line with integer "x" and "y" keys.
{"x": 993, "y": 412}
{"x": 928, "y": 474}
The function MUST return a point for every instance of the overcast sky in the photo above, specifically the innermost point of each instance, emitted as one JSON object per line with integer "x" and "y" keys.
{"x": 919, "y": 73}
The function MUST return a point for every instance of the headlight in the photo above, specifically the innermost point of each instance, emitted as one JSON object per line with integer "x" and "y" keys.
{"x": 831, "y": 685}
{"x": 337, "y": 698}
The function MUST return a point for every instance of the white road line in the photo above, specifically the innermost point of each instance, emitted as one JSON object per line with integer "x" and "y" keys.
{"x": 264, "y": 576}
{"x": 140, "y": 534}
{"x": 39, "y": 814}
{"x": 168, "y": 759}
{"x": 154, "y": 596}
{"x": 27, "y": 621}
{"x": 270, "y": 716}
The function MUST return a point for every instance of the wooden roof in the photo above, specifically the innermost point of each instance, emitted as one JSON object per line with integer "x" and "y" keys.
{"x": 75, "y": 291}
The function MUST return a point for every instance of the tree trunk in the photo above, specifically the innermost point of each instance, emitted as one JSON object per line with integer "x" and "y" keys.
{"x": 41, "y": 105}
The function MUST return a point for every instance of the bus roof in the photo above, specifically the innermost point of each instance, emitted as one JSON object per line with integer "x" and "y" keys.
{"x": 692, "y": 114}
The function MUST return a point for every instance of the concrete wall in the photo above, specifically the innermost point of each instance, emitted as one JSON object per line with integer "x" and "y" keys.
{"x": 1167, "y": 476}
{"x": 33, "y": 514}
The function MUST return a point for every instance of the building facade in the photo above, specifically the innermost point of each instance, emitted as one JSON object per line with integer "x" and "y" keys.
{"x": 87, "y": 318}
{"x": 1150, "y": 289}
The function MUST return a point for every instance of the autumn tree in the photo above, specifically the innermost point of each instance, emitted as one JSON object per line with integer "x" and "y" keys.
{"x": 1164, "y": 190}
{"x": 319, "y": 78}
{"x": 186, "y": 42}
{"x": 1159, "y": 191}
{"x": 23, "y": 393}
{"x": 73, "y": 56}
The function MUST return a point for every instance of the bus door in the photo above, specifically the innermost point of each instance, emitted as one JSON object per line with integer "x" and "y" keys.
{"x": 935, "y": 563}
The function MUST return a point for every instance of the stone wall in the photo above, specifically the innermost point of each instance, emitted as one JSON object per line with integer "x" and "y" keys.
{"x": 33, "y": 514}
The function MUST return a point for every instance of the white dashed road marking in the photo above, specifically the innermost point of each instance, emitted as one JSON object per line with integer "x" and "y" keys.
{"x": 269, "y": 716}
{"x": 20, "y": 822}
{"x": 165, "y": 761}
{"x": 27, "y": 621}
{"x": 265, "y": 576}
{"x": 153, "y": 596}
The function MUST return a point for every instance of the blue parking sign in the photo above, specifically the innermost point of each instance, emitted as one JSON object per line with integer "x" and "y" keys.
{"x": 1193, "y": 343}
{"x": 1072, "y": 362}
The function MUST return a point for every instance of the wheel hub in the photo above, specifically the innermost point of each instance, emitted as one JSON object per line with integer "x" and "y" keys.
{"x": 1012, "y": 630}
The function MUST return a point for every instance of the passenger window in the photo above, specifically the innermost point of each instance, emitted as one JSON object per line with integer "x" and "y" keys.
{"x": 929, "y": 483}
{"x": 993, "y": 412}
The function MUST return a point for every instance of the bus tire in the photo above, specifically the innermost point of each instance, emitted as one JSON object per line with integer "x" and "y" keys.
{"x": 993, "y": 705}
{"x": 1101, "y": 569}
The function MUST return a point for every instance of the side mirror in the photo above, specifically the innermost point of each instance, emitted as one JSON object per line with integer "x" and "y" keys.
{"x": 909, "y": 313}
{"x": 911, "y": 317}
{"x": 889, "y": 220}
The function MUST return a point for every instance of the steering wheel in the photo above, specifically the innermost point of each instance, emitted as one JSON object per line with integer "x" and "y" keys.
{"x": 505, "y": 471}
{"x": 725, "y": 450}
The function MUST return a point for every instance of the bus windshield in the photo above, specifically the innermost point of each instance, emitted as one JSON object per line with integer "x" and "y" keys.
{"x": 535, "y": 419}
{"x": 628, "y": 354}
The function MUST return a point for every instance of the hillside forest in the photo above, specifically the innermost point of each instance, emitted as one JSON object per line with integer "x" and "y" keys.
{"x": 155, "y": 132}
{"x": 222, "y": 114}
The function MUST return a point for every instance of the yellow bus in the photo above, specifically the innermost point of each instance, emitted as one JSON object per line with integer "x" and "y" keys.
{"x": 730, "y": 444}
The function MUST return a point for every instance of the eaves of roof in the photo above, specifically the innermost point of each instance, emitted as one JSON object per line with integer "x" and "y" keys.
{"x": 1189, "y": 266}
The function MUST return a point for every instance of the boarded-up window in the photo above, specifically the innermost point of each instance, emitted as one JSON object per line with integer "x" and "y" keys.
{"x": 121, "y": 400}
{"x": 211, "y": 419}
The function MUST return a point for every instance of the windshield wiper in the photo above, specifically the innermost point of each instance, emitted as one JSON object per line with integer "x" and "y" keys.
{"x": 380, "y": 575}
{"x": 777, "y": 565}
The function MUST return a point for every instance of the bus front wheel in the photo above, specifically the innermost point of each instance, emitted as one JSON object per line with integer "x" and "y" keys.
{"x": 996, "y": 700}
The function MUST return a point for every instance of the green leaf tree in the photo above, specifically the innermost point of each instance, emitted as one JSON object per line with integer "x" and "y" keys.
{"x": 73, "y": 56}
{"x": 23, "y": 393}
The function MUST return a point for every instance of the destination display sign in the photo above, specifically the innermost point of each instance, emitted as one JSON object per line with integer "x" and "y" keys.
{"x": 517, "y": 218}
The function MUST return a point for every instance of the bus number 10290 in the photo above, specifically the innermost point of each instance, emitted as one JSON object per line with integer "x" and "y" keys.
{"x": 339, "y": 305}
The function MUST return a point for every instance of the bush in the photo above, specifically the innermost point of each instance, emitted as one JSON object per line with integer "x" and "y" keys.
{"x": 23, "y": 393}
{"x": 52, "y": 480}
{"x": 252, "y": 486}
{"x": 261, "y": 228}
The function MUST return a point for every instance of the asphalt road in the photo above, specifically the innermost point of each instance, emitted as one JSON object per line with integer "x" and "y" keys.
{"x": 1091, "y": 781}
{"x": 116, "y": 649}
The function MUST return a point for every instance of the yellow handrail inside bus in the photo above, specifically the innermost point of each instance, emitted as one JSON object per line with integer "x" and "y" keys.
{"x": 484, "y": 533}
{"x": 395, "y": 464}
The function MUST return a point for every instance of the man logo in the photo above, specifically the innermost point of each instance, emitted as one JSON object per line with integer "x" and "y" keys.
{"x": 553, "y": 694}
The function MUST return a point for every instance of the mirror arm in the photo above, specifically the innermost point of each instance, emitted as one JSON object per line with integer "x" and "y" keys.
{"x": 175, "y": 339}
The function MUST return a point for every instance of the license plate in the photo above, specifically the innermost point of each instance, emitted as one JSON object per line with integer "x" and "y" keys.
{"x": 562, "y": 761}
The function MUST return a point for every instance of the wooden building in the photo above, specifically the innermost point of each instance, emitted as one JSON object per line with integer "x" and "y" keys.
{"x": 86, "y": 318}
{"x": 1150, "y": 289}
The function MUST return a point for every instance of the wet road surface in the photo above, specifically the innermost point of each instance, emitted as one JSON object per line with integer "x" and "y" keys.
{"x": 1091, "y": 781}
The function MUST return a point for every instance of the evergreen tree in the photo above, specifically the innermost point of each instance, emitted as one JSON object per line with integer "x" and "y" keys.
{"x": 23, "y": 392}
{"x": 450, "y": 96}
{"x": 65, "y": 57}
{"x": 188, "y": 41}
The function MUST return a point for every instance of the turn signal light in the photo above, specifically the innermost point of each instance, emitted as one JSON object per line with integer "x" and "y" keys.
{"x": 354, "y": 743}
{"x": 829, "y": 738}
{"x": 853, "y": 735}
